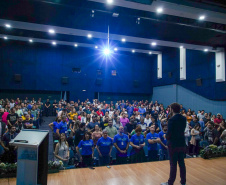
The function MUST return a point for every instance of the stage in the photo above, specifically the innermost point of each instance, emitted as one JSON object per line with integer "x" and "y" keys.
{"x": 199, "y": 172}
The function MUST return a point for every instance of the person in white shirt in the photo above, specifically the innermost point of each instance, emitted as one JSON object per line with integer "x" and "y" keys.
{"x": 147, "y": 120}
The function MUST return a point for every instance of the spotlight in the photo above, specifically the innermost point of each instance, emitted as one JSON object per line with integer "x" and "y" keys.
{"x": 109, "y": 1}
{"x": 150, "y": 53}
{"x": 202, "y": 17}
{"x": 133, "y": 51}
{"x": 76, "y": 45}
{"x": 54, "y": 43}
{"x": 84, "y": 90}
{"x": 92, "y": 13}
{"x": 51, "y": 31}
{"x": 107, "y": 51}
{"x": 7, "y": 25}
{"x": 153, "y": 44}
{"x": 96, "y": 47}
{"x": 5, "y": 38}
{"x": 115, "y": 49}
{"x": 89, "y": 36}
{"x": 159, "y": 10}
{"x": 181, "y": 46}
{"x": 205, "y": 50}
{"x": 138, "y": 20}
{"x": 123, "y": 40}
{"x": 30, "y": 40}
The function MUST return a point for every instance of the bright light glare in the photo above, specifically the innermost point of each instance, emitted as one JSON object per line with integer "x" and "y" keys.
{"x": 116, "y": 49}
{"x": 107, "y": 51}
{"x": 76, "y": 45}
{"x": 159, "y": 10}
{"x": 150, "y": 53}
{"x": 181, "y": 46}
{"x": 123, "y": 40}
{"x": 153, "y": 44}
{"x": 30, "y": 40}
{"x": 96, "y": 47}
{"x": 53, "y": 43}
{"x": 202, "y": 17}
{"x": 51, "y": 31}
{"x": 89, "y": 36}
{"x": 206, "y": 50}
{"x": 109, "y": 1}
{"x": 7, "y": 25}
{"x": 133, "y": 51}
{"x": 5, "y": 38}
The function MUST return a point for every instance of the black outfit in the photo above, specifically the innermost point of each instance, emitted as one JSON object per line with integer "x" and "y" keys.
{"x": 25, "y": 122}
{"x": 129, "y": 128}
{"x": 79, "y": 135}
{"x": 3, "y": 129}
{"x": 176, "y": 145}
{"x": 12, "y": 119}
{"x": 46, "y": 110}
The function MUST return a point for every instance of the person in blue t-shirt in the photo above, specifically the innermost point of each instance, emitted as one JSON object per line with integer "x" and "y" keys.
{"x": 163, "y": 147}
{"x": 137, "y": 142}
{"x": 62, "y": 126}
{"x": 142, "y": 111}
{"x": 54, "y": 127}
{"x": 153, "y": 139}
{"x": 104, "y": 147}
{"x": 87, "y": 150}
{"x": 121, "y": 143}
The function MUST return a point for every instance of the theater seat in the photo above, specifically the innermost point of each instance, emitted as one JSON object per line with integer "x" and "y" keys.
{"x": 129, "y": 150}
{"x": 113, "y": 153}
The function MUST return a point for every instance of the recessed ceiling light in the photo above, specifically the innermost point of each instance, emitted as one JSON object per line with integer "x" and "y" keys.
{"x": 159, "y": 10}
{"x": 206, "y": 50}
{"x": 202, "y": 17}
{"x": 150, "y": 53}
{"x": 53, "y": 43}
{"x": 84, "y": 90}
{"x": 89, "y": 36}
{"x": 51, "y": 31}
{"x": 133, "y": 51}
{"x": 7, "y": 25}
{"x": 5, "y": 38}
{"x": 96, "y": 47}
{"x": 153, "y": 44}
{"x": 123, "y": 40}
{"x": 116, "y": 49}
{"x": 30, "y": 40}
{"x": 76, "y": 45}
{"x": 109, "y": 1}
{"x": 181, "y": 46}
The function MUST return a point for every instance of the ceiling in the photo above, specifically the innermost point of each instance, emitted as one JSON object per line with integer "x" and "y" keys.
{"x": 73, "y": 20}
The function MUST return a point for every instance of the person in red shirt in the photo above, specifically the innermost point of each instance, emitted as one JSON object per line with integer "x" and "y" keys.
{"x": 217, "y": 120}
{"x": 135, "y": 109}
{"x": 100, "y": 113}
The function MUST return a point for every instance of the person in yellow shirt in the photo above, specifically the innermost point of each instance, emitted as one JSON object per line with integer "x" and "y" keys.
{"x": 189, "y": 117}
{"x": 72, "y": 114}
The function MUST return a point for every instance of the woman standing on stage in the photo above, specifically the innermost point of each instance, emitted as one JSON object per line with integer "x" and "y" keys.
{"x": 137, "y": 142}
{"x": 86, "y": 154}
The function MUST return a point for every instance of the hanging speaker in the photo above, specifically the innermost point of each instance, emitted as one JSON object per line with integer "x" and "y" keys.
{"x": 17, "y": 77}
{"x": 64, "y": 80}
{"x": 199, "y": 82}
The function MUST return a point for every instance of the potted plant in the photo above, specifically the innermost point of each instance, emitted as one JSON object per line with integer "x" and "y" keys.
{"x": 54, "y": 166}
{"x": 8, "y": 170}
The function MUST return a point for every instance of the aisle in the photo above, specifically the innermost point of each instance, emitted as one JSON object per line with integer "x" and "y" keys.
{"x": 45, "y": 126}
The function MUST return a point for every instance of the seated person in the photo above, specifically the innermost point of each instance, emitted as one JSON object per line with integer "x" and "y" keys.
{"x": 28, "y": 123}
{"x": 142, "y": 124}
{"x": 211, "y": 134}
{"x": 91, "y": 125}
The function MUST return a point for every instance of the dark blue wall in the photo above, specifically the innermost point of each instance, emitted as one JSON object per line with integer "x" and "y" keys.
{"x": 199, "y": 65}
{"x": 42, "y": 67}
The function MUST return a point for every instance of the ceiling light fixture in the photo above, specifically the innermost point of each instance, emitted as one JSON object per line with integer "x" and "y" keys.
{"x": 54, "y": 43}
{"x": 206, "y": 50}
{"x": 5, "y": 38}
{"x": 115, "y": 49}
{"x": 150, "y": 53}
{"x": 89, "y": 36}
{"x": 76, "y": 45}
{"x": 153, "y": 44}
{"x": 181, "y": 46}
{"x": 51, "y": 31}
{"x": 159, "y": 10}
{"x": 96, "y": 47}
{"x": 133, "y": 51}
{"x": 84, "y": 90}
{"x": 30, "y": 40}
{"x": 202, "y": 17}
{"x": 123, "y": 40}
{"x": 7, "y": 25}
{"x": 109, "y": 1}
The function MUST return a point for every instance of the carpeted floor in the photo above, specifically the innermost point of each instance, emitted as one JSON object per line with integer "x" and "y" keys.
{"x": 45, "y": 126}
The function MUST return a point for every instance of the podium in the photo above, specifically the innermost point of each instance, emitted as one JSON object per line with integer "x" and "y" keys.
{"x": 32, "y": 157}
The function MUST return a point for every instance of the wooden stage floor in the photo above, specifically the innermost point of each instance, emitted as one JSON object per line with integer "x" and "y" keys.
{"x": 199, "y": 172}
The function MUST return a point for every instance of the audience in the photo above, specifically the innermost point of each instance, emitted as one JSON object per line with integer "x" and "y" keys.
{"x": 110, "y": 125}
